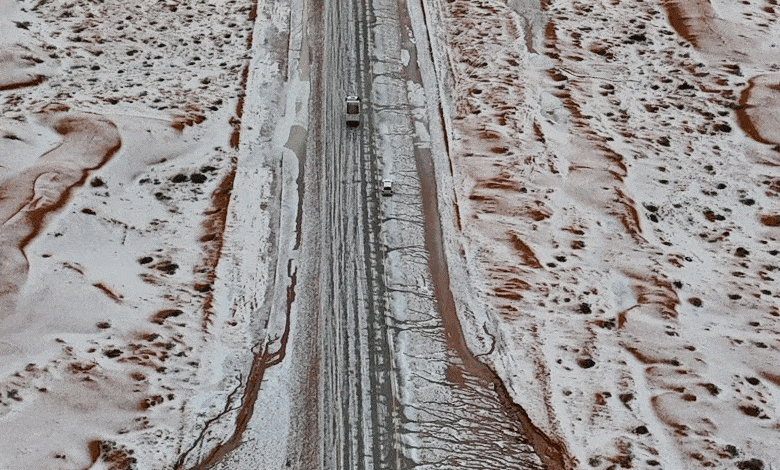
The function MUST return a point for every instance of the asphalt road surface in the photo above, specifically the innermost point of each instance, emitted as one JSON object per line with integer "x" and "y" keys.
{"x": 359, "y": 410}
{"x": 396, "y": 387}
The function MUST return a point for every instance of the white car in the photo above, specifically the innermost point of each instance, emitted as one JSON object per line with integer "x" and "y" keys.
{"x": 353, "y": 110}
{"x": 387, "y": 187}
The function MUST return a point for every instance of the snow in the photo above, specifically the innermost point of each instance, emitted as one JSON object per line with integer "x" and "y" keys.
{"x": 114, "y": 312}
{"x": 608, "y": 187}
{"x": 594, "y": 169}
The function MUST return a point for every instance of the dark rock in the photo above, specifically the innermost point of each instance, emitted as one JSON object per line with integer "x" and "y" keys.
{"x": 198, "y": 178}
{"x": 752, "y": 464}
{"x": 750, "y": 410}
{"x": 167, "y": 267}
{"x": 160, "y": 316}
{"x": 641, "y": 430}
{"x": 771, "y": 220}
{"x": 586, "y": 363}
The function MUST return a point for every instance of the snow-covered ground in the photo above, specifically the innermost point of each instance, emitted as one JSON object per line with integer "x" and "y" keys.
{"x": 615, "y": 176}
{"x": 118, "y": 151}
{"x": 611, "y": 219}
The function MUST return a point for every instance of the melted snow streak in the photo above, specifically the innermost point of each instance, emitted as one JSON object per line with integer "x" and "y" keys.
{"x": 624, "y": 230}
{"x": 491, "y": 429}
{"x": 270, "y": 354}
{"x": 31, "y": 196}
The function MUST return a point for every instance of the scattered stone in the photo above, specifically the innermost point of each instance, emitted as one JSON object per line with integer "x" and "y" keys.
{"x": 198, "y": 178}
{"x": 160, "y": 316}
{"x": 712, "y": 388}
{"x": 167, "y": 267}
{"x": 586, "y": 363}
{"x": 771, "y": 220}
{"x": 750, "y": 410}
{"x": 641, "y": 430}
{"x": 752, "y": 464}
{"x": 112, "y": 353}
{"x": 712, "y": 216}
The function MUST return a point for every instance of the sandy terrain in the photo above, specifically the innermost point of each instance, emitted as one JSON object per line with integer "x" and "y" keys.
{"x": 615, "y": 197}
{"x": 617, "y": 186}
{"x": 117, "y": 159}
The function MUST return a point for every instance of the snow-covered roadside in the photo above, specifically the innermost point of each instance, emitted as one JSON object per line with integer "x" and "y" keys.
{"x": 277, "y": 127}
{"x": 617, "y": 225}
